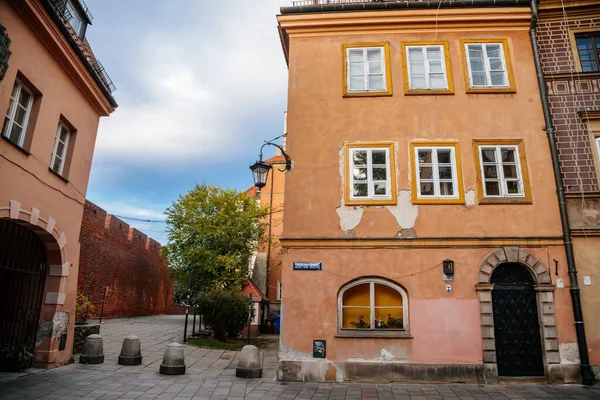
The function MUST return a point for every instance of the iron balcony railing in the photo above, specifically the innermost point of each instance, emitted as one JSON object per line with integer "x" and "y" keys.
{"x": 328, "y": 2}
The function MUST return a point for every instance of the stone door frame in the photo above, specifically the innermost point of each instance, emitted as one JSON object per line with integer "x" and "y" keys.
{"x": 545, "y": 302}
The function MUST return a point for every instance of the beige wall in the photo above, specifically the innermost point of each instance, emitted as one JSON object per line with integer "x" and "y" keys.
{"x": 26, "y": 179}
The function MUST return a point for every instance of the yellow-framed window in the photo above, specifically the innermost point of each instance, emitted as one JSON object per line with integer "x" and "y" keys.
{"x": 436, "y": 173}
{"x": 366, "y": 69}
{"x": 426, "y": 67}
{"x": 488, "y": 66}
{"x": 370, "y": 174}
{"x": 501, "y": 171}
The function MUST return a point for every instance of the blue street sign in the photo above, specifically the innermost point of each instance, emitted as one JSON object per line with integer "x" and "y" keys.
{"x": 308, "y": 266}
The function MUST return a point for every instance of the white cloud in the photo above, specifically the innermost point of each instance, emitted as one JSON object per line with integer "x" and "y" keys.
{"x": 199, "y": 87}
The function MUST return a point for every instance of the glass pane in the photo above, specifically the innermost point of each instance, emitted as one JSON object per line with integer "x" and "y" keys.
{"x": 444, "y": 156}
{"x": 424, "y": 156}
{"x": 492, "y": 189}
{"x": 24, "y": 98}
{"x": 417, "y": 68}
{"x": 479, "y": 79}
{"x": 446, "y": 189}
{"x": 356, "y": 318}
{"x": 374, "y": 54}
{"x": 589, "y": 66}
{"x": 378, "y": 157}
{"x": 375, "y": 68}
{"x": 493, "y": 51}
{"x": 10, "y": 103}
{"x": 357, "y": 83}
{"x": 56, "y": 164}
{"x": 476, "y": 58}
{"x": 445, "y": 172}
{"x": 379, "y": 174}
{"x": 380, "y": 188}
{"x": 513, "y": 187}
{"x": 356, "y": 55}
{"x": 488, "y": 155}
{"x": 435, "y": 66}
{"x": 359, "y": 157}
{"x": 415, "y": 54}
{"x": 426, "y": 172}
{"x": 508, "y": 155}
{"x": 60, "y": 148}
{"x": 496, "y": 64}
{"x": 376, "y": 82}
{"x": 358, "y": 296}
{"x": 359, "y": 174}
{"x": 498, "y": 79}
{"x": 434, "y": 53}
{"x": 427, "y": 189}
{"x": 389, "y": 318}
{"x": 357, "y": 69}
{"x": 20, "y": 115}
{"x": 510, "y": 172}
{"x": 490, "y": 171}
{"x": 418, "y": 82}
{"x": 360, "y": 190}
{"x": 64, "y": 134}
{"x": 437, "y": 81}
{"x": 15, "y": 89}
{"x": 387, "y": 296}
{"x": 15, "y": 134}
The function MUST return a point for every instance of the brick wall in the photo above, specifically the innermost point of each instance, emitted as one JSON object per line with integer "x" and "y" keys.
{"x": 570, "y": 93}
{"x": 126, "y": 262}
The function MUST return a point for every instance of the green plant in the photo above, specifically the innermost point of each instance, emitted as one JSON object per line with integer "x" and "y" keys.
{"x": 83, "y": 306}
{"x": 360, "y": 324}
{"x": 395, "y": 323}
{"x": 15, "y": 357}
{"x": 223, "y": 311}
{"x": 71, "y": 360}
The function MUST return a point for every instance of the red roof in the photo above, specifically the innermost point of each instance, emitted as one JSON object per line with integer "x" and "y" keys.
{"x": 250, "y": 287}
{"x": 251, "y": 191}
{"x": 276, "y": 159}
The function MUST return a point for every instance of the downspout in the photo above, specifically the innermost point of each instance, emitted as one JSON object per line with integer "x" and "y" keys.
{"x": 587, "y": 374}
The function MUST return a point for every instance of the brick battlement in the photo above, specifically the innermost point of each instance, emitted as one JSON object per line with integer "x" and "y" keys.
{"x": 126, "y": 262}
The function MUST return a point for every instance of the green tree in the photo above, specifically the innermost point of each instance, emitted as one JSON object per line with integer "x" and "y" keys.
{"x": 225, "y": 312}
{"x": 212, "y": 233}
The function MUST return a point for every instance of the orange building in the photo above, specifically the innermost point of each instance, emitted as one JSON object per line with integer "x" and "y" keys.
{"x": 54, "y": 92}
{"x": 422, "y": 200}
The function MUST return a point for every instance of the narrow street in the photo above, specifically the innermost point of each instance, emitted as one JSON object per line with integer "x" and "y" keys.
{"x": 210, "y": 375}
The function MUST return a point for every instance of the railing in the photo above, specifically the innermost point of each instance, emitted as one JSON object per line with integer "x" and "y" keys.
{"x": 102, "y": 74}
{"x": 85, "y": 9}
{"x": 327, "y": 2}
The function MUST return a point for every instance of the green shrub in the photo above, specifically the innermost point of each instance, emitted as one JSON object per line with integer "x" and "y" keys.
{"x": 15, "y": 357}
{"x": 225, "y": 312}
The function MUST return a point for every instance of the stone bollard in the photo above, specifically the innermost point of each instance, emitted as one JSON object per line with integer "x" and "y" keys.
{"x": 131, "y": 353}
{"x": 93, "y": 350}
{"x": 249, "y": 364}
{"x": 173, "y": 361}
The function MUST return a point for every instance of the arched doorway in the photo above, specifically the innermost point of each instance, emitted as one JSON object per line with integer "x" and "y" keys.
{"x": 516, "y": 322}
{"x": 23, "y": 269}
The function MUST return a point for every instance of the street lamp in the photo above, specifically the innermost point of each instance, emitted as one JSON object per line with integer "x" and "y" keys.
{"x": 260, "y": 169}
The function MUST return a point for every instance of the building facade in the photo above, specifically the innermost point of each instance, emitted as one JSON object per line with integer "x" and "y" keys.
{"x": 422, "y": 200}
{"x": 54, "y": 92}
{"x": 569, "y": 39}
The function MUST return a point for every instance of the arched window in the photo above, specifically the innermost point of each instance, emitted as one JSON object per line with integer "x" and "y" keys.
{"x": 372, "y": 303}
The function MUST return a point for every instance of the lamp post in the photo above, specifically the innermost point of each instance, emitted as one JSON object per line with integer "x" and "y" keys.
{"x": 260, "y": 169}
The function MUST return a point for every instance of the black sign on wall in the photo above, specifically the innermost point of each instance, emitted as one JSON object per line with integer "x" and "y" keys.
{"x": 319, "y": 348}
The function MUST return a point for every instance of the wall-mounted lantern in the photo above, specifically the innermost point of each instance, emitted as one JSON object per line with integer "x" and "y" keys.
{"x": 4, "y": 51}
{"x": 260, "y": 169}
{"x": 448, "y": 267}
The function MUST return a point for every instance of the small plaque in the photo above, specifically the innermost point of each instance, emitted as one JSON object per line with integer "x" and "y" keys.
{"x": 448, "y": 277}
{"x": 308, "y": 266}
{"x": 448, "y": 288}
{"x": 587, "y": 281}
{"x": 319, "y": 348}
{"x": 560, "y": 284}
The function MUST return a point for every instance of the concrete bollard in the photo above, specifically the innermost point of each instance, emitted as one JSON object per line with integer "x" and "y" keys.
{"x": 249, "y": 364}
{"x": 131, "y": 353}
{"x": 173, "y": 361}
{"x": 93, "y": 350}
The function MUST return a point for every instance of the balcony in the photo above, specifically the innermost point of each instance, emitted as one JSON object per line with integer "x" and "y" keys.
{"x": 334, "y": 2}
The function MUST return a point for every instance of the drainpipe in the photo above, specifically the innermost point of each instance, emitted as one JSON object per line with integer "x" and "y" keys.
{"x": 587, "y": 374}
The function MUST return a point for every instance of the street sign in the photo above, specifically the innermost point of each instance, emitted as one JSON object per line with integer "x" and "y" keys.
{"x": 308, "y": 266}
{"x": 448, "y": 288}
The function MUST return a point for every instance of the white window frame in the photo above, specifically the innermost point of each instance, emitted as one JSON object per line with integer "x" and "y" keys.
{"x": 370, "y": 190}
{"x": 436, "y": 173}
{"x": 372, "y": 282}
{"x": 278, "y": 290}
{"x": 487, "y": 67}
{"x": 20, "y": 87}
{"x": 366, "y": 72}
{"x": 500, "y": 169}
{"x": 426, "y": 62}
{"x": 62, "y": 156}
{"x": 75, "y": 15}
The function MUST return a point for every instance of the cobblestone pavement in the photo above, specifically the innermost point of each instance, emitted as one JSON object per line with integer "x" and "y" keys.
{"x": 211, "y": 376}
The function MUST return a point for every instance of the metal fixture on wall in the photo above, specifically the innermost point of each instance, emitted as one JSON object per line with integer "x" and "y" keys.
{"x": 260, "y": 169}
{"x": 448, "y": 267}
{"x": 5, "y": 53}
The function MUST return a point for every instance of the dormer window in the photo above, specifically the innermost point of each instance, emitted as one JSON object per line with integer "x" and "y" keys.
{"x": 74, "y": 19}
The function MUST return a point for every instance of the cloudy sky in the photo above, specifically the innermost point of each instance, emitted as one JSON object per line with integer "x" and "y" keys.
{"x": 200, "y": 85}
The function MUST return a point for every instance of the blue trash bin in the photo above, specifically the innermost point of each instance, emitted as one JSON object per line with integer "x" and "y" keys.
{"x": 278, "y": 323}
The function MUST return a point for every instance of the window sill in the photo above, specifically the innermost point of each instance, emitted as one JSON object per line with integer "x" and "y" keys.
{"x": 58, "y": 175}
{"x": 490, "y": 90}
{"x": 421, "y": 92}
{"x": 387, "y": 202}
{"x": 368, "y": 94}
{"x": 505, "y": 200}
{"x": 439, "y": 201}
{"x": 373, "y": 334}
{"x": 21, "y": 149}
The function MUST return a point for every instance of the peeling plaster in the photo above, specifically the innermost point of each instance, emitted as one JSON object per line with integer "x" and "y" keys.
{"x": 569, "y": 353}
{"x": 470, "y": 197}
{"x": 405, "y": 212}
{"x": 349, "y": 217}
{"x": 60, "y": 323}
